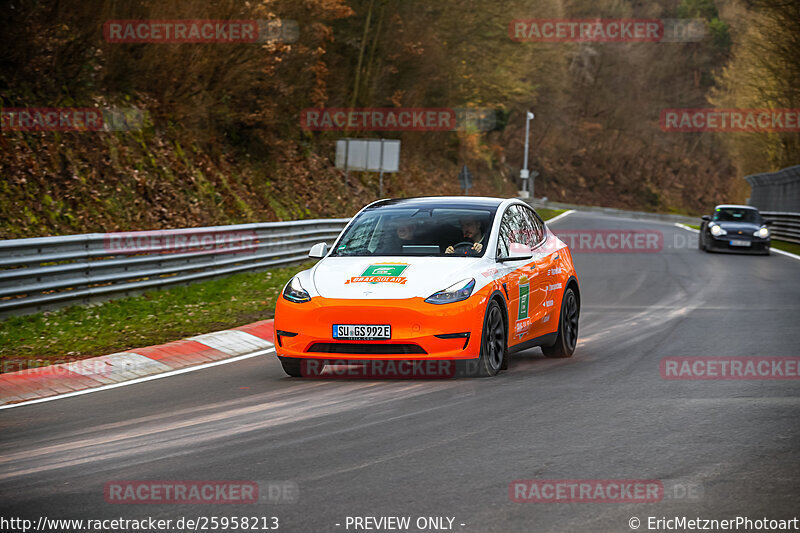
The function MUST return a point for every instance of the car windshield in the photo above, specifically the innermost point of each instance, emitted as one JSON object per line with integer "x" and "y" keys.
{"x": 411, "y": 231}
{"x": 733, "y": 214}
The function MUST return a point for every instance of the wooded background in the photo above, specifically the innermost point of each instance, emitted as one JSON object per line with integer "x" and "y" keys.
{"x": 222, "y": 142}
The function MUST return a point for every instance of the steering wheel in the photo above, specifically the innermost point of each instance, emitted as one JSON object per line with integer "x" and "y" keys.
{"x": 467, "y": 244}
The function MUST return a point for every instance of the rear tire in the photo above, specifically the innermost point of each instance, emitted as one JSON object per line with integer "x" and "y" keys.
{"x": 494, "y": 352}
{"x": 567, "y": 337}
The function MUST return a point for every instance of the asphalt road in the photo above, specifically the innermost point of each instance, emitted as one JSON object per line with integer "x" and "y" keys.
{"x": 450, "y": 448}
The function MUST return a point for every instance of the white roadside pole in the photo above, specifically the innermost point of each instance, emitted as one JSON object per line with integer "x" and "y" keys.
{"x": 369, "y": 155}
{"x": 524, "y": 174}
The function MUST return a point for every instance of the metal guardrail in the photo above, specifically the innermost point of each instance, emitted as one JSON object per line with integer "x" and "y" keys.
{"x": 785, "y": 226}
{"x": 50, "y": 272}
{"x": 776, "y": 191}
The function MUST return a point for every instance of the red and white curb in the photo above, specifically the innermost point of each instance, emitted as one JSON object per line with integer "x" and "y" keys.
{"x": 142, "y": 364}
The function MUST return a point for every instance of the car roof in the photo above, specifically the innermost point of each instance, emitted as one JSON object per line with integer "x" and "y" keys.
{"x": 440, "y": 201}
{"x": 735, "y": 206}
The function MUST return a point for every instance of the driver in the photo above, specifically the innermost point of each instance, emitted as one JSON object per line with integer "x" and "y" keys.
{"x": 471, "y": 229}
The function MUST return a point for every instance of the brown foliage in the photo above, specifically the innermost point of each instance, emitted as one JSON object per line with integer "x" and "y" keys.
{"x": 223, "y": 142}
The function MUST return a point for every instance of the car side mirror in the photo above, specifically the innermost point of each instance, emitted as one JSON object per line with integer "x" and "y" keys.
{"x": 319, "y": 250}
{"x": 707, "y": 218}
{"x": 517, "y": 252}
{"x": 768, "y": 222}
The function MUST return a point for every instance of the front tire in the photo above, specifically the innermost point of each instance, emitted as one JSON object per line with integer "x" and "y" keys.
{"x": 494, "y": 353}
{"x": 567, "y": 337}
{"x": 292, "y": 367}
{"x": 302, "y": 368}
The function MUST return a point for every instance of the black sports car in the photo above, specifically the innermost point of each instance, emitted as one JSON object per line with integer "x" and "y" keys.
{"x": 734, "y": 228}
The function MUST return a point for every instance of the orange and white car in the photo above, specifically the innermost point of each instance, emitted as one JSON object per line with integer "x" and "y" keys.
{"x": 437, "y": 278}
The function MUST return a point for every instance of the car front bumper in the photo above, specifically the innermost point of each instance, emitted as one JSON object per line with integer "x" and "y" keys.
{"x": 723, "y": 244}
{"x": 420, "y": 331}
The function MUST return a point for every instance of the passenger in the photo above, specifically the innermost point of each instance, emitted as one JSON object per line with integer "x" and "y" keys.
{"x": 405, "y": 232}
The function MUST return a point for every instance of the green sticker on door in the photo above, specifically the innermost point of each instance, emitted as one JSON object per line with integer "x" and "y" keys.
{"x": 524, "y": 296}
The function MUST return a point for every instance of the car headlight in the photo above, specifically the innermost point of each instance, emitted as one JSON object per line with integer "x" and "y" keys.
{"x": 763, "y": 233}
{"x": 294, "y": 292}
{"x": 454, "y": 293}
{"x": 716, "y": 231}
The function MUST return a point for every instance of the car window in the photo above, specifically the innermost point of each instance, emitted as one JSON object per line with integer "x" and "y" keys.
{"x": 360, "y": 236}
{"x": 410, "y": 231}
{"x": 513, "y": 228}
{"x": 526, "y": 233}
{"x": 540, "y": 224}
{"x": 732, "y": 214}
{"x": 535, "y": 225}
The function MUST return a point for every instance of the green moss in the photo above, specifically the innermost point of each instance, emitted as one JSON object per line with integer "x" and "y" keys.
{"x": 786, "y": 246}
{"x": 547, "y": 214}
{"x": 281, "y": 212}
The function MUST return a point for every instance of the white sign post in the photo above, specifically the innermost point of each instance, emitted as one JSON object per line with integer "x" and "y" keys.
{"x": 524, "y": 174}
{"x": 370, "y": 155}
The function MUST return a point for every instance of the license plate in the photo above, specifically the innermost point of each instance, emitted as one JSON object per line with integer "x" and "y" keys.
{"x": 362, "y": 332}
{"x": 740, "y": 243}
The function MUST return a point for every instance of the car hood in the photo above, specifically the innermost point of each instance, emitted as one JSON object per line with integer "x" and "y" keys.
{"x": 734, "y": 227}
{"x": 390, "y": 277}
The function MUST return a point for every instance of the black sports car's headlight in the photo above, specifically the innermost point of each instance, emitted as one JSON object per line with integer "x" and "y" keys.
{"x": 294, "y": 292}
{"x": 716, "y": 230}
{"x": 762, "y": 232}
{"x": 454, "y": 293}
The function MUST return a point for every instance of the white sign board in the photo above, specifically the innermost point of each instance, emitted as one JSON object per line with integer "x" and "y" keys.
{"x": 365, "y": 154}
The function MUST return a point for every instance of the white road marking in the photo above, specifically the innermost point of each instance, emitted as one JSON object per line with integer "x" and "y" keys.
{"x": 684, "y": 226}
{"x": 116, "y": 367}
{"x": 784, "y": 252}
{"x": 232, "y": 341}
{"x": 558, "y": 217}
{"x": 772, "y": 248}
{"x": 141, "y": 380}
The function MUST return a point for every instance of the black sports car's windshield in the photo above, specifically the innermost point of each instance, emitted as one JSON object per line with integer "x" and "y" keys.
{"x": 413, "y": 231}
{"x": 732, "y": 214}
